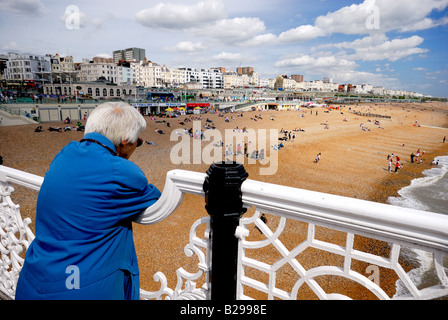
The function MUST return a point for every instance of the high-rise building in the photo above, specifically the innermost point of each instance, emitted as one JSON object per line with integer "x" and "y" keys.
{"x": 297, "y": 77}
{"x": 244, "y": 70}
{"x": 129, "y": 54}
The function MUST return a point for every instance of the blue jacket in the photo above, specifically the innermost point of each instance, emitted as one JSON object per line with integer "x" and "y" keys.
{"x": 84, "y": 215}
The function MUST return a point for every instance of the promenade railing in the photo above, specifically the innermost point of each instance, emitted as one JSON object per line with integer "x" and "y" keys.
{"x": 270, "y": 241}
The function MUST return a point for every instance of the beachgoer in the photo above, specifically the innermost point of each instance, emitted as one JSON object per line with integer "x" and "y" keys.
{"x": 84, "y": 245}
{"x": 397, "y": 166}
{"x": 412, "y": 157}
{"x": 317, "y": 158}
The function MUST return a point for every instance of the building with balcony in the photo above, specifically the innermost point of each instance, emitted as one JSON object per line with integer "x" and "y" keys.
{"x": 209, "y": 79}
{"x": 28, "y": 67}
{"x": 92, "y": 71}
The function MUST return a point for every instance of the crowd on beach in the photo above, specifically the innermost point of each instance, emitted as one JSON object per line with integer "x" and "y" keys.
{"x": 228, "y": 117}
{"x": 415, "y": 158}
{"x": 285, "y": 135}
{"x": 78, "y": 127}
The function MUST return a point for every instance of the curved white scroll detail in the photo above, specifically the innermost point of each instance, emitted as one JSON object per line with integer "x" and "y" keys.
{"x": 178, "y": 182}
{"x": 15, "y": 238}
{"x": 186, "y": 281}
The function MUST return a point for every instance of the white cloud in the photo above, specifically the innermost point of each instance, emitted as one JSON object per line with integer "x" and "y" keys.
{"x": 25, "y": 7}
{"x": 302, "y": 33}
{"x": 391, "y": 50}
{"x": 342, "y": 70}
{"x": 206, "y": 19}
{"x": 319, "y": 63}
{"x": 348, "y": 20}
{"x": 376, "y": 79}
{"x": 401, "y": 15}
{"x": 261, "y": 39}
{"x": 426, "y": 23}
{"x": 234, "y": 30}
{"x": 379, "y": 47}
{"x": 408, "y": 15}
{"x": 371, "y": 17}
{"x": 11, "y": 46}
{"x": 187, "y": 47}
{"x": 227, "y": 57}
{"x": 176, "y": 16}
{"x": 419, "y": 69}
{"x": 84, "y": 20}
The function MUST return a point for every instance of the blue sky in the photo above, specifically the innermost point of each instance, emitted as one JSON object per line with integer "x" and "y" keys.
{"x": 398, "y": 44}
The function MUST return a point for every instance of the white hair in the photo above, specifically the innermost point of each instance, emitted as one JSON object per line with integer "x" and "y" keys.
{"x": 116, "y": 121}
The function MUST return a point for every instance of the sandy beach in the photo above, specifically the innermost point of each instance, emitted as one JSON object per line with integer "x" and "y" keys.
{"x": 353, "y": 163}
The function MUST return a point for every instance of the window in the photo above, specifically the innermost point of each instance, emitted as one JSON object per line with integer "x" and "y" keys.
{"x": 97, "y": 92}
{"x": 89, "y": 91}
{"x": 118, "y": 92}
{"x": 104, "y": 93}
{"x": 111, "y": 93}
{"x": 124, "y": 92}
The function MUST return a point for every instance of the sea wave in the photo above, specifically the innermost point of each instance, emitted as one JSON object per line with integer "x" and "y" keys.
{"x": 429, "y": 193}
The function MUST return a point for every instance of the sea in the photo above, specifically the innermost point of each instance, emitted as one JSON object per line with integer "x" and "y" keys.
{"x": 429, "y": 193}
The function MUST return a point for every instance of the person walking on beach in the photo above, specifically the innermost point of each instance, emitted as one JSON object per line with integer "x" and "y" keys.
{"x": 397, "y": 166}
{"x": 84, "y": 247}
{"x": 444, "y": 138}
{"x": 317, "y": 158}
{"x": 390, "y": 159}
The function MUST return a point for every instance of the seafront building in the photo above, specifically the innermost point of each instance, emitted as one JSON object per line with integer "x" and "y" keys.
{"x": 130, "y": 68}
{"x": 208, "y": 79}
{"x": 129, "y": 54}
{"x": 27, "y": 67}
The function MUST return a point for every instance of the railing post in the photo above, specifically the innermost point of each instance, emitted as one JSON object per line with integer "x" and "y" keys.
{"x": 223, "y": 201}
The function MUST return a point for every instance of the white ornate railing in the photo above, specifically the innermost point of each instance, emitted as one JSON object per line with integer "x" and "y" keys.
{"x": 398, "y": 227}
{"x": 263, "y": 272}
{"x": 15, "y": 234}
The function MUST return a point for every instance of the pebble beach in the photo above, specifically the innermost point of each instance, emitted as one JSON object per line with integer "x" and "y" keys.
{"x": 353, "y": 163}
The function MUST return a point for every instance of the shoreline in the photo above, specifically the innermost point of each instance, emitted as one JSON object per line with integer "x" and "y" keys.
{"x": 390, "y": 186}
{"x": 353, "y": 164}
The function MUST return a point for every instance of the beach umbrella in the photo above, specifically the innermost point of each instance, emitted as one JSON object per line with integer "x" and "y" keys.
{"x": 169, "y": 110}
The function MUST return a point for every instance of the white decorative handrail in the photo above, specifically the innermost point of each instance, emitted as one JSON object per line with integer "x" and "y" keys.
{"x": 21, "y": 178}
{"x": 381, "y": 221}
{"x": 15, "y": 234}
{"x": 400, "y": 227}
{"x": 177, "y": 184}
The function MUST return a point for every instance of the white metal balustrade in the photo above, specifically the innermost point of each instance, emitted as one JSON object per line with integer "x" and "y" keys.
{"x": 398, "y": 227}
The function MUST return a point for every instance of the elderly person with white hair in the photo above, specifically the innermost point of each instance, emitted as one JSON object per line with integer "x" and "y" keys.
{"x": 84, "y": 246}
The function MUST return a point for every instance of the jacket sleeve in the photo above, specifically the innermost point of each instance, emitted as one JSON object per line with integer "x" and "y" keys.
{"x": 133, "y": 194}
